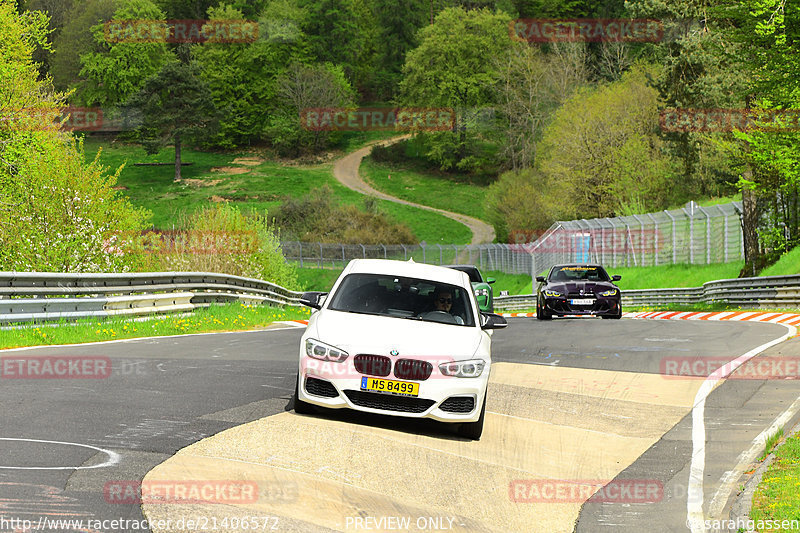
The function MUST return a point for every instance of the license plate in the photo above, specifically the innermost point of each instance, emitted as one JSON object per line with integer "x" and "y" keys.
{"x": 401, "y": 388}
{"x": 582, "y": 301}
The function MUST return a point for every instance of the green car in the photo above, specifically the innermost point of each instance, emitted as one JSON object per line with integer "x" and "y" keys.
{"x": 481, "y": 287}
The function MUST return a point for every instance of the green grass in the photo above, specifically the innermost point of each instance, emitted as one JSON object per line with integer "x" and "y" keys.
{"x": 670, "y": 276}
{"x": 788, "y": 264}
{"x": 778, "y": 495}
{"x": 443, "y": 191}
{"x": 232, "y": 317}
{"x": 261, "y": 188}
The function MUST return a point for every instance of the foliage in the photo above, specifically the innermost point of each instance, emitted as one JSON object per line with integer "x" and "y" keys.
{"x": 601, "y": 154}
{"x": 220, "y": 238}
{"x": 531, "y": 85}
{"x": 454, "y": 67}
{"x": 175, "y": 105}
{"x": 76, "y": 39}
{"x": 120, "y": 69}
{"x": 521, "y": 201}
{"x": 57, "y": 213}
{"x": 316, "y": 218}
{"x": 243, "y": 77}
{"x": 304, "y": 87}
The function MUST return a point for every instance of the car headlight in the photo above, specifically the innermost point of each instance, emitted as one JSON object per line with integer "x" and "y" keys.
{"x": 325, "y": 352}
{"x": 552, "y": 294}
{"x": 482, "y": 292}
{"x": 610, "y": 292}
{"x": 463, "y": 369}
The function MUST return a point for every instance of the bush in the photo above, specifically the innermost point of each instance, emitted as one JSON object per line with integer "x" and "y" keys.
{"x": 220, "y": 239}
{"x": 315, "y": 218}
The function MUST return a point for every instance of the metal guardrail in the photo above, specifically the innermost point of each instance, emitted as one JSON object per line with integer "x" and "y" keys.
{"x": 759, "y": 292}
{"x": 43, "y": 296}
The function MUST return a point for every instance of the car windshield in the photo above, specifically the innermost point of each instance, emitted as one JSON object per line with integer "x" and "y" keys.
{"x": 578, "y": 273}
{"x": 403, "y": 297}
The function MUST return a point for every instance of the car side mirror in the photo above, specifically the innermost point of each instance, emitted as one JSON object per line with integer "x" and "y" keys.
{"x": 540, "y": 279}
{"x": 313, "y": 299}
{"x": 490, "y": 280}
{"x": 492, "y": 321}
{"x": 616, "y": 278}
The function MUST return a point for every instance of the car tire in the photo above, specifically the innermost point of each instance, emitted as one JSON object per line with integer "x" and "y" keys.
{"x": 301, "y": 407}
{"x": 615, "y": 317}
{"x": 474, "y": 430}
{"x": 541, "y": 312}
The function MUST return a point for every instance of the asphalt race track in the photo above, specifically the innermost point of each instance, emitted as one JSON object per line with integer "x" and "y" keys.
{"x": 577, "y": 402}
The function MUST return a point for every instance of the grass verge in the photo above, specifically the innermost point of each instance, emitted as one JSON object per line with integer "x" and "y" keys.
{"x": 440, "y": 191}
{"x": 230, "y": 317}
{"x": 778, "y": 495}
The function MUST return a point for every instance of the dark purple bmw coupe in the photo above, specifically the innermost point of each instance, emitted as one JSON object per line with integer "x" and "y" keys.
{"x": 578, "y": 289}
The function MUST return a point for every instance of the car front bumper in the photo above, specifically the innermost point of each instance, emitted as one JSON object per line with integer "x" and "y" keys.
{"x": 443, "y": 398}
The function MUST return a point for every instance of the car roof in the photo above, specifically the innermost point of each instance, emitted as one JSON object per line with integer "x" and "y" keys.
{"x": 407, "y": 268}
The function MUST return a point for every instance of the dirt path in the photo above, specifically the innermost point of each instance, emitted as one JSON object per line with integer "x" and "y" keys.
{"x": 346, "y": 171}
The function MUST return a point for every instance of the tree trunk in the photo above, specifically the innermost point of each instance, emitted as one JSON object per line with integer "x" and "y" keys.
{"x": 177, "y": 158}
{"x": 752, "y": 259}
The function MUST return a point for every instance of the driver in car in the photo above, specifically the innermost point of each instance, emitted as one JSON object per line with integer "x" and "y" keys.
{"x": 443, "y": 301}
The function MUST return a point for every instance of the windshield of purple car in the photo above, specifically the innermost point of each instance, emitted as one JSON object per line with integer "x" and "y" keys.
{"x": 403, "y": 297}
{"x": 578, "y": 273}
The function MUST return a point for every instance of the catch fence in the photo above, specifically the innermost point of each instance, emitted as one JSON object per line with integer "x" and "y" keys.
{"x": 692, "y": 235}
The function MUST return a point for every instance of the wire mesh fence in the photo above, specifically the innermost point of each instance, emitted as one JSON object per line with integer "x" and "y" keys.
{"x": 693, "y": 235}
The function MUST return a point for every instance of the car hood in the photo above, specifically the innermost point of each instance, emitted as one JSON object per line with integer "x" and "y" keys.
{"x": 357, "y": 333}
{"x": 588, "y": 287}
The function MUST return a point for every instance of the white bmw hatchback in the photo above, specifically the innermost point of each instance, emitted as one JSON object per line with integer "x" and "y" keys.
{"x": 398, "y": 338}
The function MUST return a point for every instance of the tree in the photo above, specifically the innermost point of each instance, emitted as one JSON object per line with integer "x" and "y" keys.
{"x": 601, "y": 153}
{"x": 304, "y": 87}
{"x": 532, "y": 84}
{"x": 176, "y": 106}
{"x": 336, "y": 33}
{"x": 76, "y": 39}
{"x": 454, "y": 67}
{"x": 57, "y": 212}
{"x": 113, "y": 75}
{"x": 243, "y": 77}
{"x": 398, "y": 22}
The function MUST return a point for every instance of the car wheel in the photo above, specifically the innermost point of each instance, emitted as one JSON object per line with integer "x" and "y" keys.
{"x": 473, "y": 430}
{"x": 615, "y": 317}
{"x": 541, "y": 312}
{"x": 301, "y": 407}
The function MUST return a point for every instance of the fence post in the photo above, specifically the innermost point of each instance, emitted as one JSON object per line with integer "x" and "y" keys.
{"x": 320, "y": 254}
{"x": 300, "y": 245}
{"x": 674, "y": 238}
{"x": 363, "y": 251}
{"x": 655, "y": 239}
{"x": 641, "y": 236}
{"x": 405, "y": 252}
{"x": 384, "y": 252}
{"x": 424, "y": 260}
{"x": 691, "y": 236}
{"x": 441, "y": 258}
{"x": 725, "y": 231}
{"x": 708, "y": 234}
